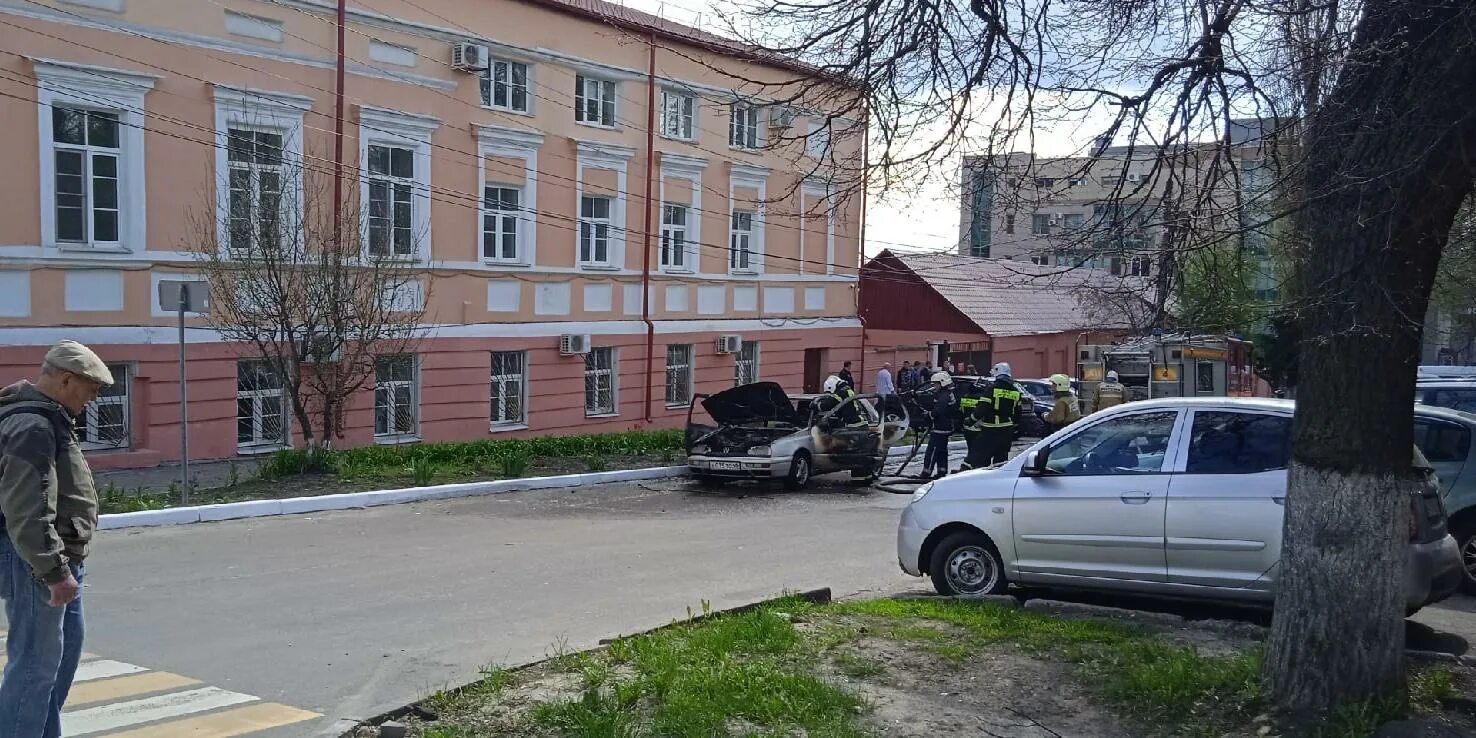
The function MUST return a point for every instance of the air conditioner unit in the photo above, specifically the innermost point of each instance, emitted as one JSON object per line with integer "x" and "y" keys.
{"x": 729, "y": 344}
{"x": 573, "y": 344}
{"x": 468, "y": 57}
{"x": 1136, "y": 178}
{"x": 782, "y": 116}
{"x": 1055, "y": 220}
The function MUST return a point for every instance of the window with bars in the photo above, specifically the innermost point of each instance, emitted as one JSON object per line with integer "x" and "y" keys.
{"x": 746, "y": 364}
{"x": 86, "y": 151}
{"x": 594, "y": 230}
{"x": 743, "y": 132}
{"x": 505, "y": 85}
{"x": 678, "y": 114}
{"x": 396, "y": 396}
{"x": 391, "y": 189}
{"x": 501, "y": 210}
{"x": 599, "y": 382}
{"x": 674, "y": 236}
{"x": 254, "y": 159}
{"x": 740, "y": 241}
{"x": 103, "y": 424}
{"x": 594, "y": 101}
{"x": 679, "y": 375}
{"x": 509, "y": 388}
{"x": 261, "y": 407}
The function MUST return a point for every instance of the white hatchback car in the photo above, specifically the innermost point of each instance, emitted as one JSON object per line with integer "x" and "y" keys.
{"x": 1179, "y": 497}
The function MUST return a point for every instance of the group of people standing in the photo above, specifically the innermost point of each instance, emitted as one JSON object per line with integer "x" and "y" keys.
{"x": 987, "y": 414}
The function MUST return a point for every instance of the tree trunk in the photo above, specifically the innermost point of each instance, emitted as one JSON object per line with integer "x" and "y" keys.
{"x": 1389, "y": 163}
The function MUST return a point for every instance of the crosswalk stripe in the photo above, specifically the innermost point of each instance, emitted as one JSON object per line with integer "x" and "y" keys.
{"x": 117, "y": 688}
{"x": 124, "y": 714}
{"x": 104, "y": 669}
{"x": 233, "y": 722}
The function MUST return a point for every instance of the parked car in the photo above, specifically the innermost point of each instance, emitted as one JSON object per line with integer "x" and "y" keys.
{"x": 1174, "y": 496}
{"x": 1456, "y": 394}
{"x": 1444, "y": 435}
{"x": 760, "y": 432}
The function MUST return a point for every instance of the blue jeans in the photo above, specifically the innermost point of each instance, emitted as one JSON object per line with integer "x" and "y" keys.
{"x": 44, "y": 644}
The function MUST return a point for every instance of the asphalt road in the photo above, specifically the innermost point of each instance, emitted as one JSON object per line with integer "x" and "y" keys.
{"x": 350, "y": 613}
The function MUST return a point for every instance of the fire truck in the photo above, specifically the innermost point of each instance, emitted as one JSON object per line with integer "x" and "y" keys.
{"x": 1178, "y": 365}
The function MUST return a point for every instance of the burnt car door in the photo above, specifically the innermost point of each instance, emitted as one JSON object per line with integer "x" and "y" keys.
{"x": 855, "y": 447}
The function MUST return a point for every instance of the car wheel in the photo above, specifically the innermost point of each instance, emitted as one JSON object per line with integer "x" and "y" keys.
{"x": 799, "y": 471}
{"x": 967, "y": 564}
{"x": 1466, "y": 543}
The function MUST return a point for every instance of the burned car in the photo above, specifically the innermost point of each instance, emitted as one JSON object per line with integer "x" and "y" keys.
{"x": 759, "y": 432}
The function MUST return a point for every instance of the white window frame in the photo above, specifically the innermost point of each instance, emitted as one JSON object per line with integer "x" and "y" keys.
{"x": 612, "y": 375}
{"x": 1036, "y": 227}
{"x": 817, "y": 141}
{"x": 589, "y": 230}
{"x": 743, "y": 127}
{"x": 504, "y": 222}
{"x": 87, "y": 435}
{"x": 273, "y": 112}
{"x": 514, "y": 144}
{"x": 255, "y": 171}
{"x": 740, "y": 241}
{"x": 390, "y": 435}
{"x": 690, "y": 168}
{"x": 614, "y": 157}
{"x": 89, "y": 154}
{"x": 488, "y": 84}
{"x": 393, "y": 128}
{"x": 259, "y": 443}
{"x": 101, "y": 89}
{"x": 606, "y": 98}
{"x": 496, "y": 420}
{"x": 678, "y": 115}
{"x": 755, "y": 178}
{"x": 676, "y": 246}
{"x": 742, "y": 362}
{"x": 683, "y": 372}
{"x": 398, "y": 190}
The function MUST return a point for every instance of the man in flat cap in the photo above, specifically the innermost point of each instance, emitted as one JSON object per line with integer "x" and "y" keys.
{"x": 50, "y": 510}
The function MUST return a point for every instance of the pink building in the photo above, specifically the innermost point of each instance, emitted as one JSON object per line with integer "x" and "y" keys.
{"x": 512, "y": 151}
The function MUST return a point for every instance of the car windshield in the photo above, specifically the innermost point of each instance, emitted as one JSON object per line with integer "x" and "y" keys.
{"x": 1455, "y": 398}
{"x": 1039, "y": 389}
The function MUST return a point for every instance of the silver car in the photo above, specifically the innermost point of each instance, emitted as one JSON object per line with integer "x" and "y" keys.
{"x": 1181, "y": 497}
{"x": 756, "y": 431}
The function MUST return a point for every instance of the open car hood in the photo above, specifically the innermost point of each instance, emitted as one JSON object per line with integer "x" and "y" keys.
{"x": 760, "y": 402}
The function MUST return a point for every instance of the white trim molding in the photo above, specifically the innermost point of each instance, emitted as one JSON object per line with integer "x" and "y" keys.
{"x": 277, "y": 112}
{"x": 682, "y": 166}
{"x": 825, "y": 192}
{"x": 383, "y": 126}
{"x": 755, "y": 177}
{"x": 515, "y": 143}
{"x": 616, "y": 157}
{"x": 117, "y": 91}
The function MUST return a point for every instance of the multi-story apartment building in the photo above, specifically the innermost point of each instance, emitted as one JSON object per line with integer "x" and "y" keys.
{"x": 1108, "y": 213}
{"x": 520, "y": 184}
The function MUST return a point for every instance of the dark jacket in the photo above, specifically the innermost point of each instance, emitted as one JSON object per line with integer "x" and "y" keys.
{"x": 845, "y": 376}
{"x": 46, "y": 492}
{"x": 946, "y": 415}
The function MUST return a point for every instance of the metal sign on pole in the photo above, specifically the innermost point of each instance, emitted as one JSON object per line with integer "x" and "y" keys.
{"x": 187, "y": 297}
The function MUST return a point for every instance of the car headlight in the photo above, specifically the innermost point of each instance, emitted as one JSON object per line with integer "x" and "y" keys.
{"x": 758, "y": 451}
{"x": 922, "y": 492}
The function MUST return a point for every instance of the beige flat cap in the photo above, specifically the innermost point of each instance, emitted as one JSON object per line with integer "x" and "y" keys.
{"x": 70, "y": 356}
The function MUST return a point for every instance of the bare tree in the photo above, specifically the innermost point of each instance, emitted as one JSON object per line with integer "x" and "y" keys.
{"x": 1377, "y": 92}
{"x": 316, "y": 300}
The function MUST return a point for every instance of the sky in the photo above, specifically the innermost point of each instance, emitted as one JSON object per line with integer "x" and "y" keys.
{"x": 924, "y": 220}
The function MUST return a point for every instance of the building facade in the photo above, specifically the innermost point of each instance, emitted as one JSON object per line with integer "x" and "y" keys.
{"x": 548, "y": 168}
{"x": 1052, "y": 210}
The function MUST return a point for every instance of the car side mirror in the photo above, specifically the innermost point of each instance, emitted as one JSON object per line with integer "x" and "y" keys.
{"x": 1035, "y": 463}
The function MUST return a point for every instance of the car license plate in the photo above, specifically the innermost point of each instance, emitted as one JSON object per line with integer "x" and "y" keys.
{"x": 726, "y": 465}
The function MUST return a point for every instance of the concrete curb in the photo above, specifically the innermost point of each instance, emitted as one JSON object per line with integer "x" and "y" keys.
{"x": 376, "y": 498}
{"x": 820, "y": 596}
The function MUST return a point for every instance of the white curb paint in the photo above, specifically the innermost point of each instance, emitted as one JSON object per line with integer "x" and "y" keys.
{"x": 351, "y": 500}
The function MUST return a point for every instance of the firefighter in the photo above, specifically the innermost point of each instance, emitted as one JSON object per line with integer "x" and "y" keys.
{"x": 974, "y": 407}
{"x": 945, "y": 420}
{"x": 1109, "y": 393}
{"x": 997, "y": 426}
{"x": 1065, "y": 411}
{"x": 836, "y": 393}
